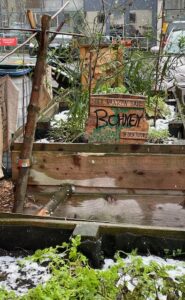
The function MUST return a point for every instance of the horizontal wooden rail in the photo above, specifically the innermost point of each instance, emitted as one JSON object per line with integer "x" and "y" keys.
{"x": 154, "y": 167}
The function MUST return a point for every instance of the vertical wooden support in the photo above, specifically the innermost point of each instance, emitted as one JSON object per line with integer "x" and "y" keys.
{"x": 33, "y": 112}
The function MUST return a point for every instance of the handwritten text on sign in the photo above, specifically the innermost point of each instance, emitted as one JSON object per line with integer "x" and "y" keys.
{"x": 117, "y": 119}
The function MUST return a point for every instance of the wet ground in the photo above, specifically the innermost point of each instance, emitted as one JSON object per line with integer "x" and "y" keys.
{"x": 141, "y": 208}
{"x": 132, "y": 207}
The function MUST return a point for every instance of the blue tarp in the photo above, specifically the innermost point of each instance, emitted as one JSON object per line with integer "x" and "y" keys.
{"x": 14, "y": 72}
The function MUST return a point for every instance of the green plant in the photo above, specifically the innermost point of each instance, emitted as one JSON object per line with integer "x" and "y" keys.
{"x": 106, "y": 89}
{"x": 72, "y": 278}
{"x": 157, "y": 136}
{"x": 74, "y": 127}
{"x": 139, "y": 70}
{"x": 162, "y": 108}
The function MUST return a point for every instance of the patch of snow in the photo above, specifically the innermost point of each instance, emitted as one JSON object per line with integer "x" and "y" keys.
{"x": 21, "y": 278}
{"x": 43, "y": 141}
{"x": 64, "y": 115}
{"x": 21, "y": 275}
{"x": 162, "y": 124}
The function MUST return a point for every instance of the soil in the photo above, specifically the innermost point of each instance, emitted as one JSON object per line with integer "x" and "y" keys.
{"x": 6, "y": 195}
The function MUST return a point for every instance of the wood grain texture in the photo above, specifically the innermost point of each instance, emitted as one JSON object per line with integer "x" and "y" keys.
{"x": 104, "y": 148}
{"x": 123, "y": 170}
{"x": 99, "y": 65}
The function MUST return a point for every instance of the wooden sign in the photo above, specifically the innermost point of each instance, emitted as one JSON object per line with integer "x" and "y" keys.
{"x": 100, "y": 66}
{"x": 117, "y": 118}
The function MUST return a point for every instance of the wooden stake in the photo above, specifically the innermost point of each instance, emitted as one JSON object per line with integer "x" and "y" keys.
{"x": 33, "y": 112}
{"x": 58, "y": 197}
{"x": 31, "y": 19}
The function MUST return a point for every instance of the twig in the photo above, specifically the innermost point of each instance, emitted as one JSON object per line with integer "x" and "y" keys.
{"x": 18, "y": 47}
{"x": 60, "y": 10}
{"x": 20, "y": 29}
{"x": 33, "y": 35}
{"x": 67, "y": 33}
{"x": 57, "y": 31}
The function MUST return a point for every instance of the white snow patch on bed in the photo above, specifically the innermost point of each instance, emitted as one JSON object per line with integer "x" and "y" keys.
{"x": 177, "y": 269}
{"x": 21, "y": 278}
{"x": 64, "y": 115}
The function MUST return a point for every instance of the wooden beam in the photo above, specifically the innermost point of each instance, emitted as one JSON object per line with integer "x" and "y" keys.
{"x": 158, "y": 171}
{"x": 105, "y": 148}
{"x": 104, "y": 228}
{"x": 33, "y": 112}
{"x": 60, "y": 10}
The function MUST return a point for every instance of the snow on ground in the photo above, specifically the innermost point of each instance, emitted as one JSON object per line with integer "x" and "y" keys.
{"x": 162, "y": 124}
{"x": 21, "y": 277}
{"x": 14, "y": 276}
{"x": 61, "y": 116}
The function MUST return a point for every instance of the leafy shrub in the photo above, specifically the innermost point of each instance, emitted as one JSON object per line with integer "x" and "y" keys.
{"x": 107, "y": 89}
{"x": 157, "y": 136}
{"x": 156, "y": 103}
{"x": 74, "y": 126}
{"x": 73, "y": 278}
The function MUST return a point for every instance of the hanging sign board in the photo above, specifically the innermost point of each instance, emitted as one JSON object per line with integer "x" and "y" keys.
{"x": 117, "y": 118}
{"x": 8, "y": 42}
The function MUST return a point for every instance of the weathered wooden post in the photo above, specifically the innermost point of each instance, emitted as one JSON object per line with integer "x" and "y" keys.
{"x": 33, "y": 112}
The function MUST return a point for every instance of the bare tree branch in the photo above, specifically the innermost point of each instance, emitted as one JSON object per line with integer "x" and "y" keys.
{"x": 18, "y": 47}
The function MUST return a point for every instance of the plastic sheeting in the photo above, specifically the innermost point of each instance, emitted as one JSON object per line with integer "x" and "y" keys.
{"x": 9, "y": 106}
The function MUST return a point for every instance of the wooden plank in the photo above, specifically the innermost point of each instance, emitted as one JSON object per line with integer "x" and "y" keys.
{"x": 130, "y": 171}
{"x": 118, "y": 100}
{"x": 158, "y": 210}
{"x": 104, "y": 228}
{"x": 104, "y": 148}
{"x": 96, "y": 65}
